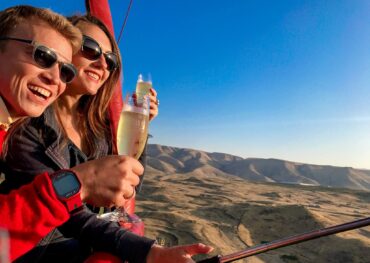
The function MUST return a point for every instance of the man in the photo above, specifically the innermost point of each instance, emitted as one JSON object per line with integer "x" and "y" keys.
{"x": 36, "y": 47}
{"x": 26, "y": 89}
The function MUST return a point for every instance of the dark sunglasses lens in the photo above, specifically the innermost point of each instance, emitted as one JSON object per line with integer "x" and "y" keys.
{"x": 90, "y": 49}
{"x": 44, "y": 56}
{"x": 67, "y": 72}
{"x": 111, "y": 60}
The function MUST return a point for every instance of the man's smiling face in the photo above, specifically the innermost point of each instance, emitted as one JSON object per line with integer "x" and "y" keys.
{"x": 26, "y": 87}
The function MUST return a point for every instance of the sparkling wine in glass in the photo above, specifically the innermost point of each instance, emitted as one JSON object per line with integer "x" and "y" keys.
{"x": 133, "y": 127}
{"x": 131, "y": 139}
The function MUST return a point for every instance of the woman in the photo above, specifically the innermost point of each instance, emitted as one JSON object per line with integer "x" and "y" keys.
{"x": 82, "y": 110}
{"x": 74, "y": 130}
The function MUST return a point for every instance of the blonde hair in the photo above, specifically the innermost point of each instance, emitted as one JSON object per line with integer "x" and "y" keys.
{"x": 11, "y": 17}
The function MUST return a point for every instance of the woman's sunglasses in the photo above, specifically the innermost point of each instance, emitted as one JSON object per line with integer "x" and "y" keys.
{"x": 91, "y": 50}
{"x": 46, "y": 57}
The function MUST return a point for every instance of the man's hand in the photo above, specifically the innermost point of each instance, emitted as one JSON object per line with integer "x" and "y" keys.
{"x": 178, "y": 254}
{"x": 108, "y": 180}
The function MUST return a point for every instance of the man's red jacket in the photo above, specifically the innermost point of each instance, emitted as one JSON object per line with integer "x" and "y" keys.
{"x": 30, "y": 213}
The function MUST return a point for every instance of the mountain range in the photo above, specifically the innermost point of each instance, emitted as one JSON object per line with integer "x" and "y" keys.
{"x": 170, "y": 160}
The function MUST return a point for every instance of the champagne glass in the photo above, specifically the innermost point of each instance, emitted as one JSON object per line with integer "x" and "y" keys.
{"x": 133, "y": 126}
{"x": 132, "y": 135}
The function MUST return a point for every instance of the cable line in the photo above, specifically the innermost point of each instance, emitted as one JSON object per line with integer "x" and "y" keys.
{"x": 124, "y": 22}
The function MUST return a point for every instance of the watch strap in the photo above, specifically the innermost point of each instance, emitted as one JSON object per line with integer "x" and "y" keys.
{"x": 74, "y": 203}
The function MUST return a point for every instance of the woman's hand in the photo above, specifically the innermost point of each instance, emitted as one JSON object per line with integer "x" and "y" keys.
{"x": 154, "y": 103}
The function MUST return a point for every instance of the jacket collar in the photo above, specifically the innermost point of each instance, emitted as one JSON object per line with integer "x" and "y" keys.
{"x": 59, "y": 152}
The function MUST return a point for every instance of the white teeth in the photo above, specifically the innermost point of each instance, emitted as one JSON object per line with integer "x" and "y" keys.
{"x": 93, "y": 75}
{"x": 40, "y": 90}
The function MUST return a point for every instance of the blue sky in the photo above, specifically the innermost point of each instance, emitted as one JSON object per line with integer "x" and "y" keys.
{"x": 255, "y": 78}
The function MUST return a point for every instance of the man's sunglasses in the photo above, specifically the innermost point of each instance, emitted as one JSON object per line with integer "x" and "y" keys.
{"x": 46, "y": 57}
{"x": 92, "y": 50}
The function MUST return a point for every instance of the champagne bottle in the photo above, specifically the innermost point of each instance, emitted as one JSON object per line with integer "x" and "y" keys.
{"x": 142, "y": 88}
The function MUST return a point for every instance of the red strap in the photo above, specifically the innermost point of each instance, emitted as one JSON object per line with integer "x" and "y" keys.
{"x": 74, "y": 202}
{"x": 102, "y": 257}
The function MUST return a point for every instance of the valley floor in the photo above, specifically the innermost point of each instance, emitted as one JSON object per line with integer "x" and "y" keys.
{"x": 231, "y": 214}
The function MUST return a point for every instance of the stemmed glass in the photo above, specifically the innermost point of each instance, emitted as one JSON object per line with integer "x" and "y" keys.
{"x": 132, "y": 132}
{"x": 134, "y": 120}
{"x": 133, "y": 126}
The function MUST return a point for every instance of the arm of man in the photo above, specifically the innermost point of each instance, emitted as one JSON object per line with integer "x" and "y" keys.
{"x": 107, "y": 236}
{"x": 31, "y": 155}
{"x": 21, "y": 210}
{"x": 31, "y": 158}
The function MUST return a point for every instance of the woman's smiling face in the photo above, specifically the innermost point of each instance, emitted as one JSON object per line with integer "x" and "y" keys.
{"x": 91, "y": 74}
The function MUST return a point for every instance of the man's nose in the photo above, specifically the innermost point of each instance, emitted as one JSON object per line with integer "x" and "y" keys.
{"x": 52, "y": 75}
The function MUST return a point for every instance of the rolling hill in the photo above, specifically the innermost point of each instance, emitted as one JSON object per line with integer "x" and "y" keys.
{"x": 233, "y": 203}
{"x": 167, "y": 159}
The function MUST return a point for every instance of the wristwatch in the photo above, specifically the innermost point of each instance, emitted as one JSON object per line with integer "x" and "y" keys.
{"x": 67, "y": 188}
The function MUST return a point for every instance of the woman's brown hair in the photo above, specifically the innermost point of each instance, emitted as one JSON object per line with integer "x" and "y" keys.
{"x": 94, "y": 123}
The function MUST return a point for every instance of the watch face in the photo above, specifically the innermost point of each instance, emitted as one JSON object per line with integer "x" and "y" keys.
{"x": 66, "y": 184}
